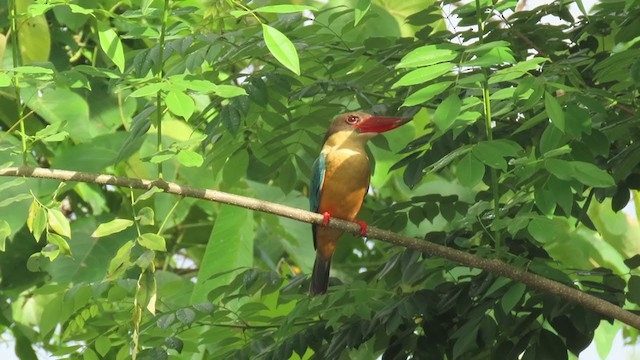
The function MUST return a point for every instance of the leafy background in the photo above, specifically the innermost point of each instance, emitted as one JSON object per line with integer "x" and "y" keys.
{"x": 523, "y": 146}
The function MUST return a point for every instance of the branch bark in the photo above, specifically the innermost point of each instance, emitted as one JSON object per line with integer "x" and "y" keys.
{"x": 492, "y": 265}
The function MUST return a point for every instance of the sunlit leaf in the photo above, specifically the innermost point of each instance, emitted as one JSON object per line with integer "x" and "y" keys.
{"x": 554, "y": 110}
{"x": 281, "y": 48}
{"x": 180, "y": 104}
{"x": 447, "y": 112}
{"x": 152, "y": 241}
{"x": 5, "y": 231}
{"x": 361, "y": 9}
{"x": 111, "y": 44}
{"x": 58, "y": 222}
{"x": 284, "y": 9}
{"x": 426, "y": 94}
{"x": 111, "y": 227}
{"x": 425, "y": 56}
{"x": 423, "y": 75}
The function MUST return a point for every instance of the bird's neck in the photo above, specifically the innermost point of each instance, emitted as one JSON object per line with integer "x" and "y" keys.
{"x": 345, "y": 140}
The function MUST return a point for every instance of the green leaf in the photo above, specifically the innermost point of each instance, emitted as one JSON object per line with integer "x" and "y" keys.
{"x": 423, "y": 75}
{"x": 5, "y": 79}
{"x": 14, "y": 199}
{"x": 470, "y": 171}
{"x": 284, "y": 9}
{"x": 634, "y": 289}
{"x": 585, "y": 173}
{"x": 361, "y": 9}
{"x": 149, "y": 89}
{"x": 559, "y": 168}
{"x": 58, "y": 222}
{"x": 103, "y": 345}
{"x": 36, "y": 220}
{"x": 111, "y": 44}
{"x": 281, "y": 48}
{"x": 59, "y": 104}
{"x": 545, "y": 230}
{"x": 180, "y": 104}
{"x": 148, "y": 194}
{"x": 447, "y": 112}
{"x": 512, "y": 297}
{"x": 120, "y": 262}
{"x": 147, "y": 292}
{"x": 236, "y": 167}
{"x": 229, "y": 91}
{"x": 5, "y": 232}
{"x": 494, "y": 57}
{"x": 545, "y": 201}
{"x": 190, "y": 158}
{"x": 89, "y": 354}
{"x": 425, "y": 56}
{"x": 146, "y": 216}
{"x": 425, "y": 94}
{"x": 230, "y": 246}
{"x": 79, "y": 10}
{"x": 112, "y": 227}
{"x": 152, "y": 241}
{"x": 186, "y": 315}
{"x": 172, "y": 342}
{"x": 554, "y": 110}
{"x": 516, "y": 71}
{"x": 490, "y": 153}
{"x": 633, "y": 262}
{"x": 34, "y": 36}
{"x": 12, "y": 183}
{"x": 230, "y": 117}
{"x": 591, "y": 175}
{"x": 60, "y": 242}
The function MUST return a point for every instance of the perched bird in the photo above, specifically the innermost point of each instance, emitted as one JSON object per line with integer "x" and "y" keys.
{"x": 340, "y": 181}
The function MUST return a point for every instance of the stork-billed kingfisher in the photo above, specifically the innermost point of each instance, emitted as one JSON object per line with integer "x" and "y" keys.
{"x": 340, "y": 181}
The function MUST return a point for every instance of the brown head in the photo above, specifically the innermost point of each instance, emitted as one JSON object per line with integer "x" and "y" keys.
{"x": 360, "y": 126}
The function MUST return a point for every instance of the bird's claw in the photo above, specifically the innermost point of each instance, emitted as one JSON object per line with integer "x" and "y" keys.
{"x": 326, "y": 217}
{"x": 363, "y": 227}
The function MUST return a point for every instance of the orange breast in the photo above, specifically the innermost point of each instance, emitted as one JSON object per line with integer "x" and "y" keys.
{"x": 345, "y": 184}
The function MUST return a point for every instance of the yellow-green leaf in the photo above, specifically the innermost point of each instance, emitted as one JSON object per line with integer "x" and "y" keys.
{"x": 60, "y": 242}
{"x": 5, "y": 231}
{"x": 36, "y": 220}
{"x": 111, "y": 44}
{"x": 34, "y": 35}
{"x": 112, "y": 227}
{"x": 190, "y": 158}
{"x": 58, "y": 222}
{"x": 180, "y": 104}
{"x": 152, "y": 241}
{"x": 281, "y": 48}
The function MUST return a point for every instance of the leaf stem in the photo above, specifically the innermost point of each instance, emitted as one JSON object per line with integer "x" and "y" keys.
{"x": 17, "y": 61}
{"x": 160, "y": 73}
{"x": 488, "y": 124}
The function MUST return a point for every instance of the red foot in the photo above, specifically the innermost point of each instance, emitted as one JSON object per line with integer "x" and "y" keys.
{"x": 363, "y": 227}
{"x": 326, "y": 219}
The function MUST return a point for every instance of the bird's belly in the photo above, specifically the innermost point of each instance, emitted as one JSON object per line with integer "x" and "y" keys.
{"x": 345, "y": 185}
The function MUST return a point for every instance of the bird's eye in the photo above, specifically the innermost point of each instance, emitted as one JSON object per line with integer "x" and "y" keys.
{"x": 352, "y": 119}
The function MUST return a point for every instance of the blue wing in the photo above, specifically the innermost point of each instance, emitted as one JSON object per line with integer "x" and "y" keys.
{"x": 317, "y": 179}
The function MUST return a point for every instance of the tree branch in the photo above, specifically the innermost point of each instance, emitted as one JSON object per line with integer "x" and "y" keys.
{"x": 494, "y": 266}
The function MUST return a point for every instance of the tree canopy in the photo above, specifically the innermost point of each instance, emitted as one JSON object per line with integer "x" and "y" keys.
{"x": 524, "y": 148}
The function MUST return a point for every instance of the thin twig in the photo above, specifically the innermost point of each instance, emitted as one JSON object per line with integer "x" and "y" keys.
{"x": 494, "y": 266}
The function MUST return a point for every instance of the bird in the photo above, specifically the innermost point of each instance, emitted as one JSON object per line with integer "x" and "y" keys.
{"x": 339, "y": 183}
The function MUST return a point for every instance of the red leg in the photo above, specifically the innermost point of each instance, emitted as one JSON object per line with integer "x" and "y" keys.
{"x": 327, "y": 217}
{"x": 363, "y": 227}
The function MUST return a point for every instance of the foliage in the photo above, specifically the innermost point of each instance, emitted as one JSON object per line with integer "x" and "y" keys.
{"x": 524, "y": 146}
